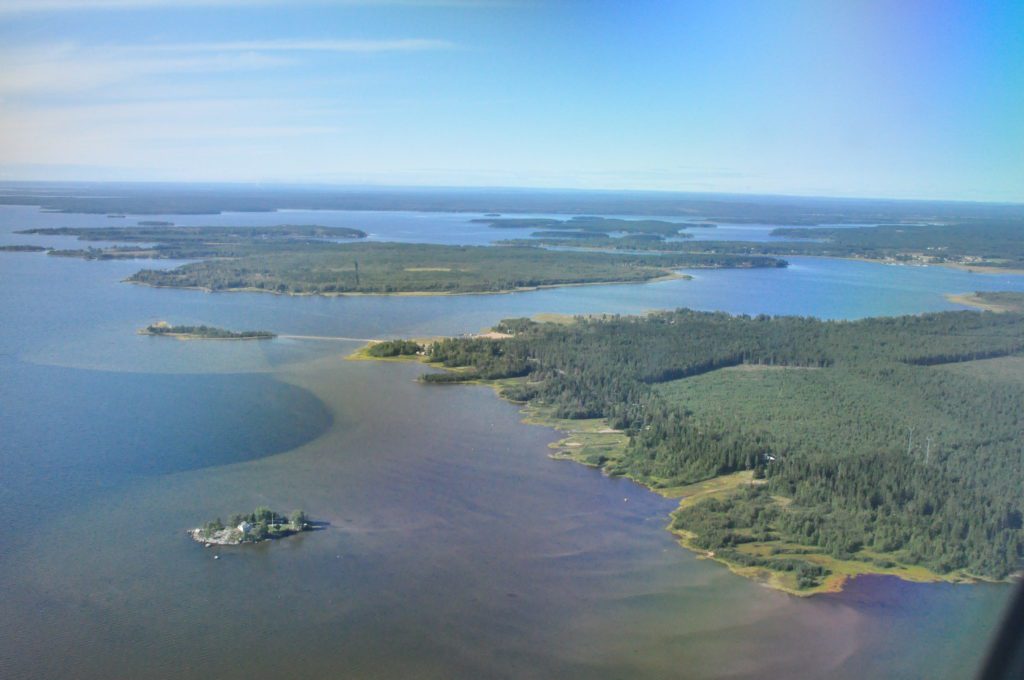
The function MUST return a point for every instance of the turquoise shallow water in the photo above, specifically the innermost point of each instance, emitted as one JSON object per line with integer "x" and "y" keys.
{"x": 456, "y": 548}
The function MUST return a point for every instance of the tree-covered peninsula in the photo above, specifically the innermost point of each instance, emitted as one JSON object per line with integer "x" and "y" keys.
{"x": 984, "y": 243}
{"x": 394, "y": 348}
{"x": 262, "y": 524}
{"x": 202, "y": 332}
{"x": 312, "y": 260}
{"x": 980, "y": 245}
{"x": 179, "y": 243}
{"x": 804, "y": 451}
{"x": 383, "y": 268}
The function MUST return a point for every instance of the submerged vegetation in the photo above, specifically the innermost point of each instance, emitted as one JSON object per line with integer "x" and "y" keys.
{"x": 163, "y": 328}
{"x": 863, "y": 449}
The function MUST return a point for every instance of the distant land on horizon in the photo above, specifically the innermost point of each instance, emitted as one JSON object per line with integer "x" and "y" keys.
{"x": 145, "y": 198}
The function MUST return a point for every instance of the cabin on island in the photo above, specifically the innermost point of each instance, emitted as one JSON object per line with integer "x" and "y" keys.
{"x": 245, "y": 527}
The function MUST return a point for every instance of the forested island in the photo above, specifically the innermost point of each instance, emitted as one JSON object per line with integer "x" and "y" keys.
{"x": 202, "y": 332}
{"x": 387, "y": 268}
{"x": 804, "y": 451}
{"x": 996, "y": 245}
{"x": 587, "y": 225}
{"x": 311, "y": 260}
{"x": 22, "y": 248}
{"x": 179, "y": 243}
{"x": 262, "y": 524}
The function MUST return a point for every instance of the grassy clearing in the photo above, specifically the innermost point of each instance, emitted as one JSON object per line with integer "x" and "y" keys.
{"x": 568, "y": 319}
{"x": 590, "y": 442}
{"x": 1001, "y": 370}
{"x": 691, "y": 494}
{"x": 841, "y": 570}
{"x": 808, "y": 410}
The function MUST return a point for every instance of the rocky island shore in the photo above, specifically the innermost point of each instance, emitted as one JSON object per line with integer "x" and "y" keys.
{"x": 260, "y": 525}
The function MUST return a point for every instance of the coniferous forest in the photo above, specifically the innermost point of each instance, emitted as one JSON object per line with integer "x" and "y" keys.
{"x": 317, "y": 260}
{"x": 886, "y": 440}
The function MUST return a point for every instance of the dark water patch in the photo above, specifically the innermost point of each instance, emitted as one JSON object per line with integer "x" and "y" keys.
{"x": 70, "y": 434}
{"x": 153, "y": 423}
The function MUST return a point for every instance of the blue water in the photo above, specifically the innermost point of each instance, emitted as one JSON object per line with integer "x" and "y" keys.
{"x": 456, "y": 548}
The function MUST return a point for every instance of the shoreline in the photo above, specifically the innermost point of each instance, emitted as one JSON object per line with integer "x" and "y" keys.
{"x": 590, "y": 442}
{"x": 972, "y": 300}
{"x": 673, "y": 276}
{"x": 970, "y": 268}
{"x": 193, "y": 336}
{"x": 981, "y": 268}
{"x": 363, "y": 354}
{"x": 574, "y": 447}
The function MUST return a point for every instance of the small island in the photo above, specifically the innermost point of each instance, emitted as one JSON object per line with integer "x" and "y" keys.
{"x": 165, "y": 329}
{"x": 21, "y": 248}
{"x": 262, "y": 524}
{"x": 584, "y": 224}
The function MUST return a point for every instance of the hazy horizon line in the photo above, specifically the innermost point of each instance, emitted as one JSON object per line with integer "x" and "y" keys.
{"x": 285, "y": 184}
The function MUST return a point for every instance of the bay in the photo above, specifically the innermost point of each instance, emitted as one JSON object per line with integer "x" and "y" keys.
{"x": 455, "y": 546}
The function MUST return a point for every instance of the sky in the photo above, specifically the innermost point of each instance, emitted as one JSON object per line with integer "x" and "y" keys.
{"x": 908, "y": 99}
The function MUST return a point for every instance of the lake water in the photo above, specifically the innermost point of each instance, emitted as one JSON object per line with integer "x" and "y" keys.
{"x": 456, "y": 548}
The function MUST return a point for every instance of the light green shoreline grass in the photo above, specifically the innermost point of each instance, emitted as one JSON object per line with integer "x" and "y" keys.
{"x": 990, "y": 302}
{"x": 593, "y": 442}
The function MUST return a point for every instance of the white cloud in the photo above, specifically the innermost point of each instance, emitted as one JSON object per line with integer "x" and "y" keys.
{"x": 38, "y": 6}
{"x": 19, "y": 6}
{"x": 398, "y": 45}
{"x": 67, "y": 68}
{"x": 191, "y": 132}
